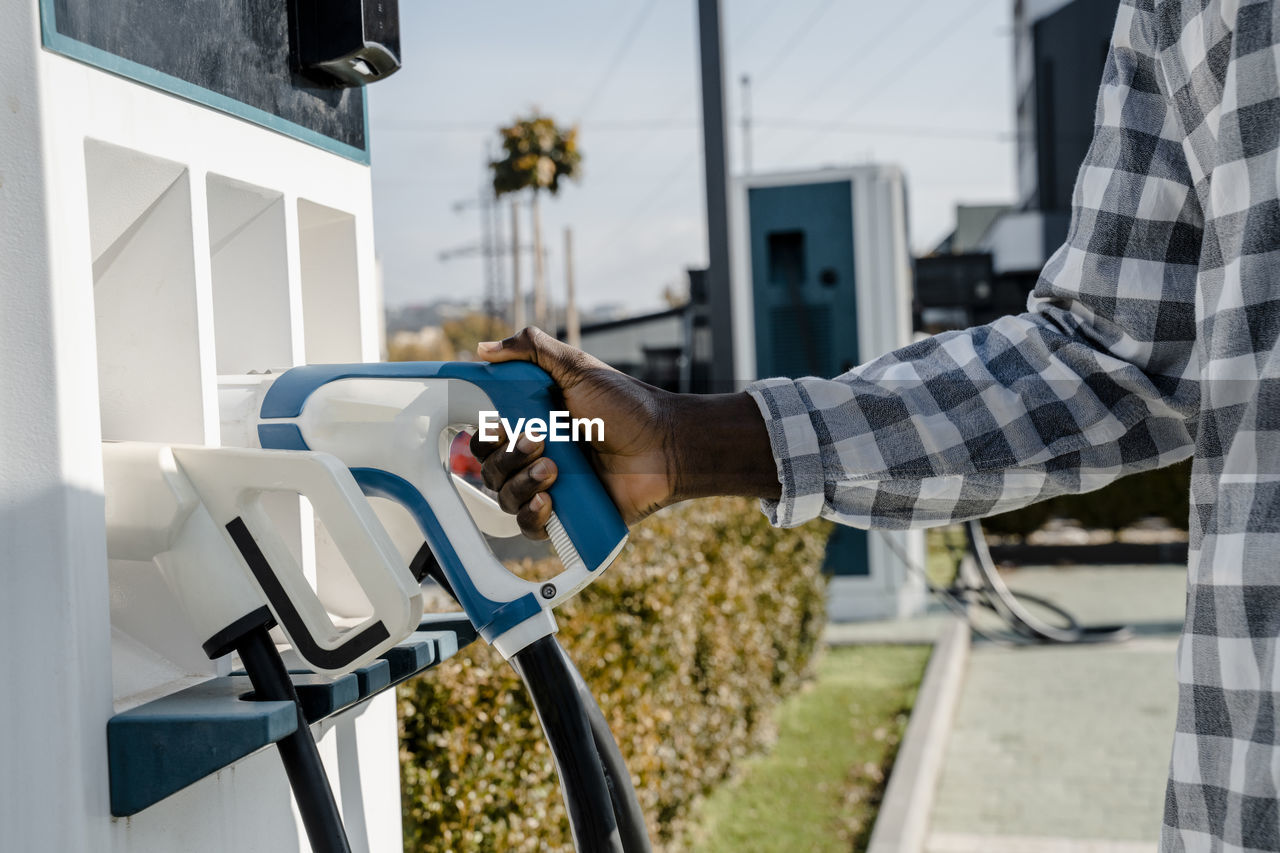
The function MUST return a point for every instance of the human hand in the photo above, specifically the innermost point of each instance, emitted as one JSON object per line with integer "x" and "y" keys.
{"x": 658, "y": 448}
{"x": 633, "y": 459}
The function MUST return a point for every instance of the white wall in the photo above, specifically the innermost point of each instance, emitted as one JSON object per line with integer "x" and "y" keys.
{"x": 330, "y": 306}
{"x": 255, "y": 274}
{"x": 53, "y": 614}
{"x": 146, "y": 298}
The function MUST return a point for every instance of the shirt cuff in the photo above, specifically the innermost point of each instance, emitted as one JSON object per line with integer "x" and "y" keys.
{"x": 795, "y": 451}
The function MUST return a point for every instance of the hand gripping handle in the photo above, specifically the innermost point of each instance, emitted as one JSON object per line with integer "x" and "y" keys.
{"x": 388, "y": 456}
{"x": 585, "y": 525}
{"x": 231, "y": 483}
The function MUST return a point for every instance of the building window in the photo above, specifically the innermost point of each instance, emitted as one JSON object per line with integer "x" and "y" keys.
{"x": 786, "y": 257}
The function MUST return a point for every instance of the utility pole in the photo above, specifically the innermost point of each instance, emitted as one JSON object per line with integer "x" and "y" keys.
{"x": 539, "y": 268}
{"x": 746, "y": 124}
{"x": 489, "y": 248}
{"x": 572, "y": 327}
{"x": 488, "y": 252}
{"x": 720, "y": 300}
{"x": 517, "y": 298}
{"x": 497, "y": 256}
{"x": 492, "y": 249}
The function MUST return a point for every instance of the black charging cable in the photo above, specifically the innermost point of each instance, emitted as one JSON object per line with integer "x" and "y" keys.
{"x": 988, "y": 590}
{"x": 250, "y": 638}
{"x": 604, "y": 812}
{"x": 573, "y": 746}
{"x": 298, "y": 751}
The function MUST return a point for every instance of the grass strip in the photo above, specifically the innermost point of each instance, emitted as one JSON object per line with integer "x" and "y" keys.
{"x": 819, "y": 787}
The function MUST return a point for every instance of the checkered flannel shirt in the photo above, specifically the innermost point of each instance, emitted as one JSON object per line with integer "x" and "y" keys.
{"x": 1152, "y": 335}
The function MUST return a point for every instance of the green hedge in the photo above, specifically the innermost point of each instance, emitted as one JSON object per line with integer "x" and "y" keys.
{"x": 709, "y": 617}
{"x": 1163, "y": 493}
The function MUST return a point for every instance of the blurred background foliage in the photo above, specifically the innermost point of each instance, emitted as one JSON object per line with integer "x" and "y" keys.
{"x": 1163, "y": 493}
{"x": 537, "y": 154}
{"x": 710, "y": 618}
{"x": 454, "y": 339}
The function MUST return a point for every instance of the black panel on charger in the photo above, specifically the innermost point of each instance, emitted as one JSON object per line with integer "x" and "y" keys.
{"x": 348, "y": 42}
{"x": 239, "y": 49}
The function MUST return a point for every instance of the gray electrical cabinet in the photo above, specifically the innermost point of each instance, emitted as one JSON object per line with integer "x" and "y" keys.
{"x": 822, "y": 283}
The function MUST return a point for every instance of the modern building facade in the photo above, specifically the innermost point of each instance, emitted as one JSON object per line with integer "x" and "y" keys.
{"x": 1060, "y": 47}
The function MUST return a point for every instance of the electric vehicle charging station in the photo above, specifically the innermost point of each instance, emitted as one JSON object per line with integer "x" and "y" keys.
{"x": 169, "y": 231}
{"x": 822, "y": 282}
{"x": 157, "y": 230}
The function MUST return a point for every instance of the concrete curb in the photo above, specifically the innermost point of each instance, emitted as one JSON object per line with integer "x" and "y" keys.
{"x": 958, "y": 843}
{"x": 902, "y": 825}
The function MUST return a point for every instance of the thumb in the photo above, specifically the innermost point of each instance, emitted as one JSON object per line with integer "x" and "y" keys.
{"x": 557, "y": 358}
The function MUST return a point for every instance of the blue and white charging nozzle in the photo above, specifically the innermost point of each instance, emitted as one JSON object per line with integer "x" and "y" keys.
{"x": 390, "y": 424}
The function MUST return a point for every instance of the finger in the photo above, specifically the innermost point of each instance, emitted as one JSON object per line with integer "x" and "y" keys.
{"x": 524, "y": 484}
{"x": 522, "y": 346}
{"x": 534, "y": 515}
{"x": 564, "y": 363}
{"x": 481, "y": 449}
{"x": 498, "y": 467}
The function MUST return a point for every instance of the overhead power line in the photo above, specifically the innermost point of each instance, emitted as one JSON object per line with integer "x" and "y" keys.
{"x": 472, "y": 127}
{"x": 796, "y": 37}
{"x": 838, "y": 125}
{"x": 658, "y": 192}
{"x": 785, "y": 123}
{"x": 745, "y": 33}
{"x": 940, "y": 132}
{"x": 857, "y": 57}
{"x": 918, "y": 131}
{"x": 678, "y": 107}
{"x": 893, "y": 73}
{"x": 602, "y": 82}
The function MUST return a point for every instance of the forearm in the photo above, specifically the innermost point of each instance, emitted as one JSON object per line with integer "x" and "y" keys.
{"x": 969, "y": 423}
{"x": 718, "y": 445}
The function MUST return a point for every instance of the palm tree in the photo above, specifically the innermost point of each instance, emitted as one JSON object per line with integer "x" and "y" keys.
{"x": 537, "y": 154}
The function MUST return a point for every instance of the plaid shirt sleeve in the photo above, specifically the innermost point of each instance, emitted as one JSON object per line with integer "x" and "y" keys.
{"x": 1093, "y": 383}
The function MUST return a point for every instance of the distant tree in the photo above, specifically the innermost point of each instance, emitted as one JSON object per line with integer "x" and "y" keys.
{"x": 537, "y": 154}
{"x": 427, "y": 344}
{"x": 465, "y": 332}
{"x": 455, "y": 339}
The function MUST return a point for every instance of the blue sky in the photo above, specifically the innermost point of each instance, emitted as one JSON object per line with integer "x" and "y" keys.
{"x": 925, "y": 84}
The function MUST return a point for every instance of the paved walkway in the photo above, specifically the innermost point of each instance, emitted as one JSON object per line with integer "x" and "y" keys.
{"x": 1062, "y": 749}
{"x": 1065, "y": 748}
